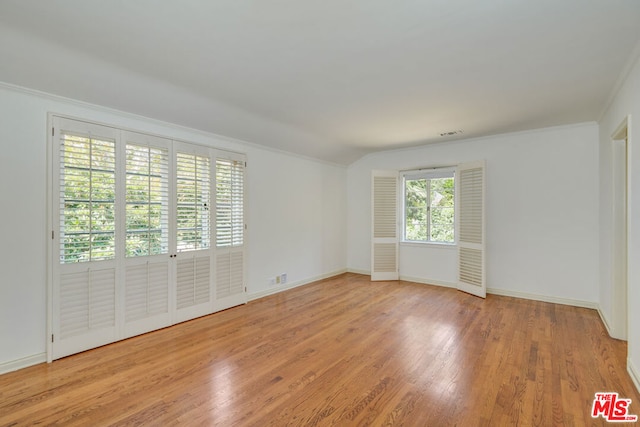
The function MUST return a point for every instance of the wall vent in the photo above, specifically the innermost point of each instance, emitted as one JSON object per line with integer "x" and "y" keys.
{"x": 451, "y": 133}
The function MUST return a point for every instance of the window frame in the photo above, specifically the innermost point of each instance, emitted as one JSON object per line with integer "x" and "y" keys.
{"x": 193, "y": 215}
{"x": 428, "y": 174}
{"x": 156, "y": 174}
{"x": 229, "y": 227}
{"x": 71, "y": 171}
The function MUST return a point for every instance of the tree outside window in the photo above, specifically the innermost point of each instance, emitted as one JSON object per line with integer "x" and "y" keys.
{"x": 429, "y": 207}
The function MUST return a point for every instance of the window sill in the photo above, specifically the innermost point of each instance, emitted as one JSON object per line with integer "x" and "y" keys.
{"x": 436, "y": 245}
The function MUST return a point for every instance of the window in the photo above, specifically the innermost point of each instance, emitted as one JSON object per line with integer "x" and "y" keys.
{"x": 147, "y": 210}
{"x": 229, "y": 202}
{"x": 429, "y": 206}
{"x": 193, "y": 194}
{"x": 146, "y": 232}
{"x": 87, "y": 198}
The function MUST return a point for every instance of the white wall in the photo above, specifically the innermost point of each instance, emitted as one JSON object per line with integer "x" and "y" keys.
{"x": 542, "y": 212}
{"x": 626, "y": 102}
{"x": 296, "y": 213}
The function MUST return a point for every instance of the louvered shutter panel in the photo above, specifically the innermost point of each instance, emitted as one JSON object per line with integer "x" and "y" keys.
{"x": 193, "y": 201}
{"x": 229, "y": 202}
{"x": 194, "y": 278}
{"x": 146, "y": 196}
{"x": 86, "y": 310}
{"x": 229, "y": 274}
{"x": 147, "y": 290}
{"x": 146, "y": 297}
{"x": 84, "y": 266}
{"x": 230, "y": 230}
{"x": 87, "y": 301}
{"x": 470, "y": 208}
{"x": 86, "y": 188}
{"x": 384, "y": 225}
{"x": 146, "y": 236}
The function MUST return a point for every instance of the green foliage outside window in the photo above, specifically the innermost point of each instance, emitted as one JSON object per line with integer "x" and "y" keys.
{"x": 193, "y": 202}
{"x": 146, "y": 201}
{"x": 429, "y": 210}
{"x": 88, "y": 185}
{"x": 88, "y": 210}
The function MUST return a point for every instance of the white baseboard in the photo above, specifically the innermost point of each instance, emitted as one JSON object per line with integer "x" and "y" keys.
{"x": 14, "y": 365}
{"x": 544, "y": 298}
{"x": 605, "y": 321}
{"x": 607, "y": 325}
{"x": 428, "y": 281}
{"x": 515, "y": 294}
{"x": 409, "y": 279}
{"x": 634, "y": 373}
{"x": 506, "y": 293}
{"x": 282, "y": 288}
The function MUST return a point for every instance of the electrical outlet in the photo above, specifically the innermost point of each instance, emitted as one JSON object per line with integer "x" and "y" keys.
{"x": 283, "y": 278}
{"x": 272, "y": 281}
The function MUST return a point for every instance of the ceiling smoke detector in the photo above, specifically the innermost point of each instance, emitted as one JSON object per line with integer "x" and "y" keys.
{"x": 451, "y": 133}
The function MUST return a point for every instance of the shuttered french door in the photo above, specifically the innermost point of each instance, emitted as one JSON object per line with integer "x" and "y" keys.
{"x": 470, "y": 208}
{"x": 193, "y": 254}
{"x": 147, "y": 266}
{"x": 384, "y": 225}
{"x": 230, "y": 230}
{"x": 84, "y": 266}
{"x": 146, "y": 232}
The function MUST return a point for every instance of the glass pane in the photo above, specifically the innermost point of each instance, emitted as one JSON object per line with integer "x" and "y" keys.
{"x": 416, "y": 209}
{"x": 87, "y": 199}
{"x": 442, "y": 192}
{"x": 442, "y": 211}
{"x": 442, "y": 225}
{"x": 229, "y": 203}
{"x": 193, "y": 201}
{"x": 147, "y": 201}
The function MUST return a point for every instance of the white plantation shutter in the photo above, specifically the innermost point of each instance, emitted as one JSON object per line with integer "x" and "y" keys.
{"x": 146, "y": 297}
{"x": 229, "y": 274}
{"x": 146, "y": 195}
{"x": 194, "y": 278}
{"x": 470, "y": 208}
{"x": 229, "y": 202}
{"x": 146, "y": 232}
{"x": 147, "y": 290}
{"x": 146, "y": 240}
{"x": 193, "y": 201}
{"x": 87, "y": 302}
{"x": 230, "y": 230}
{"x": 83, "y": 288}
{"x": 87, "y": 165}
{"x": 384, "y": 225}
{"x": 85, "y": 309}
{"x": 194, "y": 281}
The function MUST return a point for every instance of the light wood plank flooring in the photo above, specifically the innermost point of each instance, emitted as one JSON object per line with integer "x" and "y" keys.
{"x": 343, "y": 351}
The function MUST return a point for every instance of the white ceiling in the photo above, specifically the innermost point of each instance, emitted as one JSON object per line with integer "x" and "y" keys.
{"x": 330, "y": 79}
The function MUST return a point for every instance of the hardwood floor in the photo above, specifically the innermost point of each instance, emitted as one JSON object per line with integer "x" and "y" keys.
{"x": 342, "y": 351}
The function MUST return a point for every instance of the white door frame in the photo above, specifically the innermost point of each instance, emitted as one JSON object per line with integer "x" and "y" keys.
{"x": 620, "y": 232}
